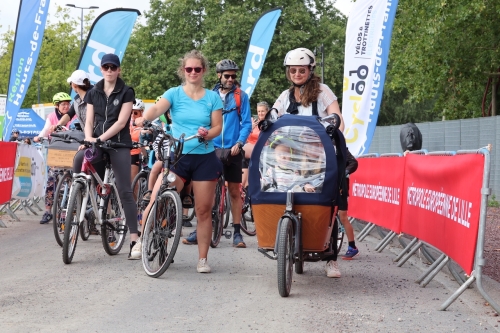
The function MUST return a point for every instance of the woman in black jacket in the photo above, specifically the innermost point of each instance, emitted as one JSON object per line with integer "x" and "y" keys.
{"x": 109, "y": 105}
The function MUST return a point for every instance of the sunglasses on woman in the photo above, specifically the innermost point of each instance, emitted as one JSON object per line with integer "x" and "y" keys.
{"x": 108, "y": 67}
{"x": 136, "y": 113}
{"x": 190, "y": 69}
{"x": 232, "y": 76}
{"x": 294, "y": 70}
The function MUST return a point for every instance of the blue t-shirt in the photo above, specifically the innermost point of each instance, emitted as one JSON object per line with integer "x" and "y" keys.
{"x": 188, "y": 115}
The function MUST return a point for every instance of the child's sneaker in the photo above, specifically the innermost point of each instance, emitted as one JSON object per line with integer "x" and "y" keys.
{"x": 351, "y": 253}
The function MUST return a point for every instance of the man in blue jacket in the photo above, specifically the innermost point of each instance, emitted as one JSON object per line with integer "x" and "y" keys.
{"x": 236, "y": 127}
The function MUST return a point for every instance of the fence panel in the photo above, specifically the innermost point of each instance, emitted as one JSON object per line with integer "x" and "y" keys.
{"x": 450, "y": 135}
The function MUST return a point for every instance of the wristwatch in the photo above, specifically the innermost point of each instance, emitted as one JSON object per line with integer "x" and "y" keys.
{"x": 98, "y": 140}
{"x": 240, "y": 145}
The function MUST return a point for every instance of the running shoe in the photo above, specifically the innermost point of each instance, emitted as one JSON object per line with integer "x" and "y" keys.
{"x": 46, "y": 218}
{"x": 351, "y": 253}
{"x": 203, "y": 266}
{"x": 238, "y": 241}
{"x": 191, "y": 239}
{"x": 332, "y": 269}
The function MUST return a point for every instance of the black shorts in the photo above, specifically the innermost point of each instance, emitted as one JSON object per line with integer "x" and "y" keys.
{"x": 344, "y": 194}
{"x": 134, "y": 159}
{"x": 198, "y": 167}
{"x": 245, "y": 162}
{"x": 233, "y": 170}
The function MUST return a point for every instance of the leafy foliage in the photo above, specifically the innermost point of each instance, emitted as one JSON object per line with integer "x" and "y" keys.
{"x": 222, "y": 30}
{"x": 440, "y": 51}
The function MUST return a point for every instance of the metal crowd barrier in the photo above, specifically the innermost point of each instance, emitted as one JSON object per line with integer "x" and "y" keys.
{"x": 437, "y": 264}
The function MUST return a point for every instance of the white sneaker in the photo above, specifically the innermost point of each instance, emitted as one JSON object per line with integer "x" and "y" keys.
{"x": 203, "y": 266}
{"x": 332, "y": 269}
{"x": 136, "y": 251}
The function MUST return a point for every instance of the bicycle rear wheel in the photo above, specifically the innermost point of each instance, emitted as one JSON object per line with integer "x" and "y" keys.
{"x": 340, "y": 233}
{"x": 85, "y": 229}
{"x": 139, "y": 187}
{"x": 218, "y": 213}
{"x": 59, "y": 208}
{"x": 71, "y": 223}
{"x": 113, "y": 228}
{"x": 247, "y": 222}
{"x": 162, "y": 233}
{"x": 227, "y": 208}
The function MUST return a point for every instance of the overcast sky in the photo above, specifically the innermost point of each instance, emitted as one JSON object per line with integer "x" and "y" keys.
{"x": 10, "y": 8}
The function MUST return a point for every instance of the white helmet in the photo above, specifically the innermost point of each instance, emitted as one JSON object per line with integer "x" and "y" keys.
{"x": 300, "y": 57}
{"x": 138, "y": 104}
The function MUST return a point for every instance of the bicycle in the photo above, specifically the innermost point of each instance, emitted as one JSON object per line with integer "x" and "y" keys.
{"x": 162, "y": 229}
{"x": 113, "y": 227}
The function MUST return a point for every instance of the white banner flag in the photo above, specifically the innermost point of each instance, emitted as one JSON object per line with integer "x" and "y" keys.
{"x": 368, "y": 38}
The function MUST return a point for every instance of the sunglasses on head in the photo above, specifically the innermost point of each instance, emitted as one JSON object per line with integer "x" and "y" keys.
{"x": 190, "y": 69}
{"x": 232, "y": 76}
{"x": 108, "y": 67}
{"x": 300, "y": 70}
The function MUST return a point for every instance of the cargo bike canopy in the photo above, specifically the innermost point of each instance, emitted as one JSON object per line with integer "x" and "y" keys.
{"x": 296, "y": 154}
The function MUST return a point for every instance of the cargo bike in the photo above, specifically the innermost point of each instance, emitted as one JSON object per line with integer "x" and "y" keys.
{"x": 294, "y": 176}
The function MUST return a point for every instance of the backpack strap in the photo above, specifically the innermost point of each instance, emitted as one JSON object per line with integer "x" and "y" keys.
{"x": 293, "y": 107}
{"x": 237, "y": 99}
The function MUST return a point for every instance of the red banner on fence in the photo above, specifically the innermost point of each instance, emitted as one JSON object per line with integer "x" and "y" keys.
{"x": 375, "y": 191}
{"x": 7, "y": 163}
{"x": 442, "y": 201}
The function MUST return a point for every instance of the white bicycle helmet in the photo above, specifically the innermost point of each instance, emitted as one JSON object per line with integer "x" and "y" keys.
{"x": 300, "y": 57}
{"x": 138, "y": 104}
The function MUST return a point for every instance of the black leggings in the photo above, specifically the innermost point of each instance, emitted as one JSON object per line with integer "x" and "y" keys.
{"x": 120, "y": 163}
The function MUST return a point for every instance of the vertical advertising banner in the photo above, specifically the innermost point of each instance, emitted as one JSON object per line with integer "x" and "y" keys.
{"x": 376, "y": 191}
{"x": 7, "y": 163}
{"x": 368, "y": 39}
{"x": 260, "y": 40}
{"x": 442, "y": 202}
{"x": 110, "y": 33}
{"x": 27, "y": 43}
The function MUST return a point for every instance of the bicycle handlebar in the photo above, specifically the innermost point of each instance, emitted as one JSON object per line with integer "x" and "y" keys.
{"x": 105, "y": 144}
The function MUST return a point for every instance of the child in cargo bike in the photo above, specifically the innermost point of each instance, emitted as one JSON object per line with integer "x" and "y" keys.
{"x": 297, "y": 165}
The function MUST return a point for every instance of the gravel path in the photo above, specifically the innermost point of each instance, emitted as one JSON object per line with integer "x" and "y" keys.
{"x": 100, "y": 293}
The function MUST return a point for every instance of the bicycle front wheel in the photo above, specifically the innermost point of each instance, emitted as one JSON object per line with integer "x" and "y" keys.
{"x": 218, "y": 213}
{"x": 71, "y": 223}
{"x": 113, "y": 228}
{"x": 59, "y": 208}
{"x": 162, "y": 233}
{"x": 285, "y": 257}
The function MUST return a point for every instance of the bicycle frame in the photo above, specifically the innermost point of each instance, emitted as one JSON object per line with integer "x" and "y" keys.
{"x": 85, "y": 178}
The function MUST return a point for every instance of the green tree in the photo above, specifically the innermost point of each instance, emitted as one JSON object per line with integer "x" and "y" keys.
{"x": 441, "y": 51}
{"x": 222, "y": 30}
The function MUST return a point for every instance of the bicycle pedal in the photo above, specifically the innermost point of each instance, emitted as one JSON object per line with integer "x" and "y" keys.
{"x": 228, "y": 234}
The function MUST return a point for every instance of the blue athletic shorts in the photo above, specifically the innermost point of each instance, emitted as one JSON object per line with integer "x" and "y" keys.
{"x": 198, "y": 167}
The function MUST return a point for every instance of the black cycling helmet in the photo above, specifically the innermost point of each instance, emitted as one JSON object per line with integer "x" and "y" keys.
{"x": 226, "y": 65}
